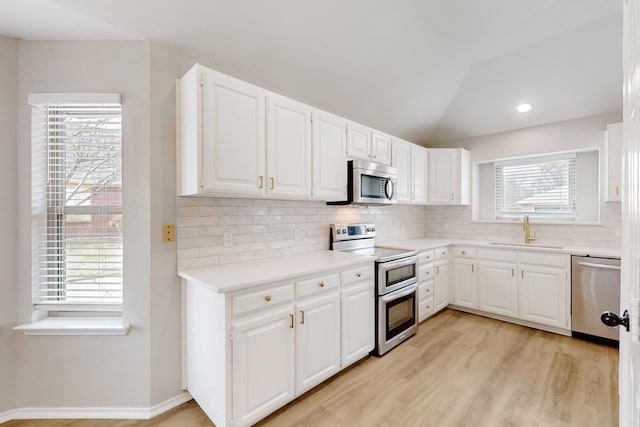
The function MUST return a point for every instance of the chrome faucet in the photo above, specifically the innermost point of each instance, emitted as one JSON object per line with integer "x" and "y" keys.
{"x": 528, "y": 238}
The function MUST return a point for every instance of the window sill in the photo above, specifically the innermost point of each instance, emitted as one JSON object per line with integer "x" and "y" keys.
{"x": 75, "y": 326}
{"x": 536, "y": 222}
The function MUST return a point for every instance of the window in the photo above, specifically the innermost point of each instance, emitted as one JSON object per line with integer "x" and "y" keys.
{"x": 542, "y": 187}
{"x": 77, "y": 202}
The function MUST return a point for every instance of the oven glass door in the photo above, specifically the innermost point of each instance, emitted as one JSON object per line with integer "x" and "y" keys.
{"x": 401, "y": 315}
{"x": 394, "y": 275}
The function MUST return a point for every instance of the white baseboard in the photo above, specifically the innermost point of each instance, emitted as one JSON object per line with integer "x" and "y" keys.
{"x": 94, "y": 413}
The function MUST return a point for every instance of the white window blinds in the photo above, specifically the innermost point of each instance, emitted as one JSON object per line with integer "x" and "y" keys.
{"x": 538, "y": 187}
{"x": 78, "y": 248}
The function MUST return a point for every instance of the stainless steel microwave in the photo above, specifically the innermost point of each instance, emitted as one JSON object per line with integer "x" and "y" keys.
{"x": 370, "y": 184}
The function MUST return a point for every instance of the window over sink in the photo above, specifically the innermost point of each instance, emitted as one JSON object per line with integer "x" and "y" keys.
{"x": 554, "y": 187}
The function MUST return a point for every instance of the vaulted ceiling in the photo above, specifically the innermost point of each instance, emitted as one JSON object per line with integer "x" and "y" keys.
{"x": 424, "y": 70}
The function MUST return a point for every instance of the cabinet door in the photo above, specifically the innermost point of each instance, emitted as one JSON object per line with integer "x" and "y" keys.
{"x": 542, "y": 295}
{"x": 317, "y": 341}
{"x": 442, "y": 173}
{"x": 464, "y": 283}
{"x": 401, "y": 160}
{"x": 613, "y": 162}
{"x": 358, "y": 323}
{"x": 263, "y": 365}
{"x": 418, "y": 175}
{"x": 441, "y": 285}
{"x": 380, "y": 148}
{"x": 497, "y": 288}
{"x": 288, "y": 149}
{"x": 358, "y": 142}
{"x": 329, "y": 157}
{"x": 233, "y": 136}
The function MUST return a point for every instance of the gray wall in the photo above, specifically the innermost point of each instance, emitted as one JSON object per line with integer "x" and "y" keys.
{"x": 8, "y": 175}
{"x": 82, "y": 371}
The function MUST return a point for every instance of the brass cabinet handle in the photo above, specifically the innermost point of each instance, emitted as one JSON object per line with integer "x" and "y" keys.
{"x": 522, "y": 273}
{"x": 428, "y": 290}
{"x": 438, "y": 270}
{"x": 513, "y": 272}
{"x": 273, "y": 185}
{"x": 261, "y": 181}
{"x": 267, "y": 298}
{"x": 322, "y": 284}
{"x": 302, "y": 317}
{"x": 359, "y": 274}
{"x": 472, "y": 268}
{"x": 444, "y": 253}
{"x": 464, "y": 253}
{"x": 617, "y": 190}
{"x": 291, "y": 318}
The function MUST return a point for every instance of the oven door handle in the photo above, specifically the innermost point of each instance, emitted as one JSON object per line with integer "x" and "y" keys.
{"x": 399, "y": 293}
{"x": 386, "y": 266}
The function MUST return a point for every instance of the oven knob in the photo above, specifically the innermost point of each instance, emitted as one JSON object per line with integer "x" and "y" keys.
{"x": 339, "y": 231}
{"x": 344, "y": 231}
{"x": 373, "y": 229}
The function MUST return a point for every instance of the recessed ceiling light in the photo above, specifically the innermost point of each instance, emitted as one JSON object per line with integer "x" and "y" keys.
{"x": 523, "y": 108}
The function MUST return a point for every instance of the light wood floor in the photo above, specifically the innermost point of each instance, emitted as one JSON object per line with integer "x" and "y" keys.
{"x": 460, "y": 370}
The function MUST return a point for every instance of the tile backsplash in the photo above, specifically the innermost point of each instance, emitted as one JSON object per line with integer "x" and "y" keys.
{"x": 267, "y": 228}
{"x": 454, "y": 222}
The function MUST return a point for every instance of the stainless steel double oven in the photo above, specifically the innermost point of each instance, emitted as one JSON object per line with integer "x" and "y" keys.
{"x": 396, "y": 283}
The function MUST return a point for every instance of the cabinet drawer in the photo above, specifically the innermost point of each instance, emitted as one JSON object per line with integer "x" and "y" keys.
{"x": 441, "y": 253}
{"x": 546, "y": 259}
{"x": 425, "y": 308}
{"x": 426, "y": 257}
{"x": 464, "y": 251}
{"x": 425, "y": 290}
{"x": 425, "y": 273}
{"x": 361, "y": 273}
{"x": 317, "y": 284}
{"x": 262, "y": 299}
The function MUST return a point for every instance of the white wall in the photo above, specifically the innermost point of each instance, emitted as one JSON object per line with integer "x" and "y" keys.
{"x": 570, "y": 135}
{"x": 8, "y": 175}
{"x": 167, "y": 64}
{"x": 90, "y": 371}
{"x": 266, "y": 228}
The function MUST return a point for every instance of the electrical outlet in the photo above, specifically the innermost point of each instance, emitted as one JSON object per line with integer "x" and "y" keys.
{"x": 296, "y": 234}
{"x": 445, "y": 226}
{"x": 168, "y": 232}
{"x": 227, "y": 239}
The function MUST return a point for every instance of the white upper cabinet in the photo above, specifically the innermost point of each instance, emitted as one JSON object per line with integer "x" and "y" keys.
{"x": 367, "y": 144}
{"x": 448, "y": 176}
{"x": 411, "y": 162}
{"x": 418, "y": 174}
{"x": 613, "y": 162}
{"x": 329, "y": 156}
{"x": 288, "y": 148}
{"x": 401, "y": 160}
{"x": 233, "y": 139}
{"x": 380, "y": 148}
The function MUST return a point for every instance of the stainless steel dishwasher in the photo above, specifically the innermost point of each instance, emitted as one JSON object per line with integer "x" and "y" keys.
{"x": 595, "y": 288}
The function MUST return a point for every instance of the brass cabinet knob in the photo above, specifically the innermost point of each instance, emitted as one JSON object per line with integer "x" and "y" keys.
{"x": 267, "y": 298}
{"x": 322, "y": 284}
{"x": 359, "y": 274}
{"x": 464, "y": 253}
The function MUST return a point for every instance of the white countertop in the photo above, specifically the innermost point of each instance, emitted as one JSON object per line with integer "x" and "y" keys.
{"x": 423, "y": 244}
{"x": 242, "y": 275}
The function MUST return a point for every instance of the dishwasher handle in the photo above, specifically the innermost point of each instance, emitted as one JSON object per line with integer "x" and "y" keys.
{"x": 603, "y": 266}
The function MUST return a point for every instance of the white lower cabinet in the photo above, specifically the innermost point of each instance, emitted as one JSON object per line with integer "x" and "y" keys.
{"x": 542, "y": 295}
{"x": 464, "y": 283}
{"x": 317, "y": 340}
{"x": 441, "y": 285}
{"x": 250, "y": 352}
{"x": 497, "y": 288}
{"x": 263, "y": 365}
{"x": 433, "y": 282}
{"x": 358, "y": 325}
{"x": 527, "y": 285}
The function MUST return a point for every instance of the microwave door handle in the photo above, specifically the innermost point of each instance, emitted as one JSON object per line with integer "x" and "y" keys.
{"x": 388, "y": 184}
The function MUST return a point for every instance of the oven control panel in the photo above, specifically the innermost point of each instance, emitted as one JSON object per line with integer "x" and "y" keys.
{"x": 352, "y": 231}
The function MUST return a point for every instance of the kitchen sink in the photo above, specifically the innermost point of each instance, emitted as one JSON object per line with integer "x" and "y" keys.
{"x": 526, "y": 245}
